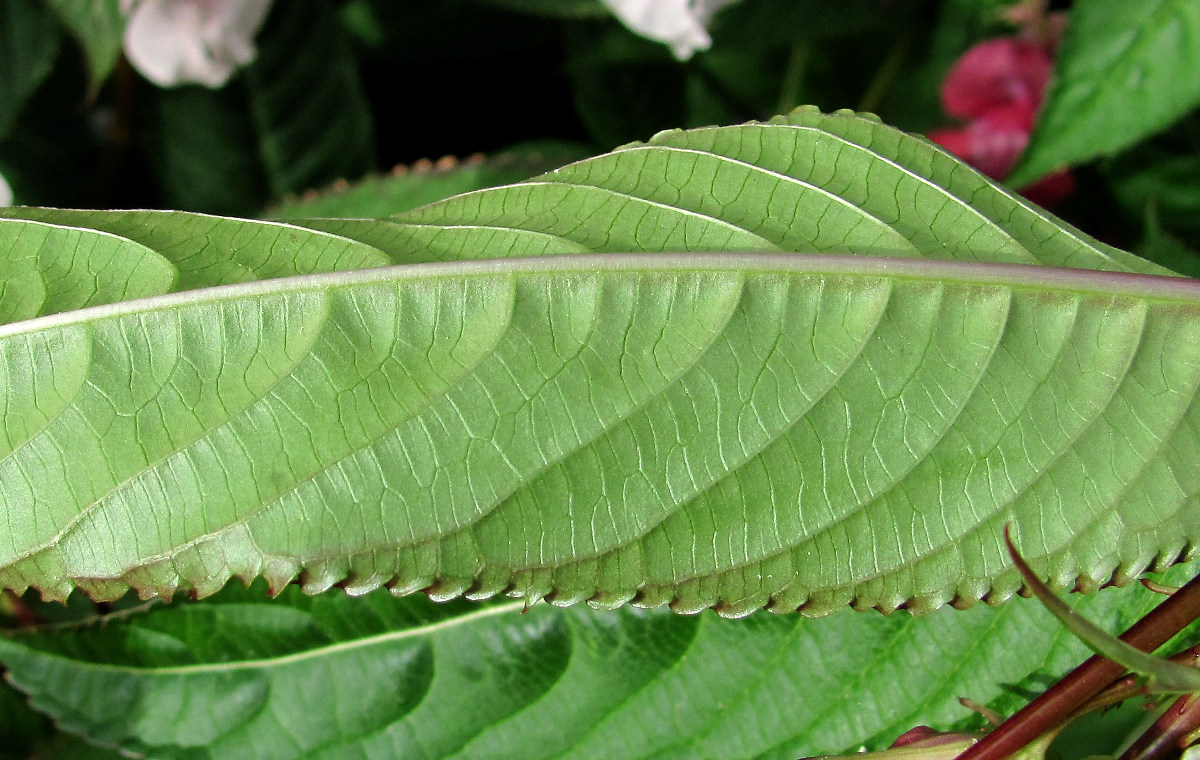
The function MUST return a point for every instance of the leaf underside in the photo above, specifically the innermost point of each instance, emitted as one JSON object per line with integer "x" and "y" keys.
{"x": 736, "y": 431}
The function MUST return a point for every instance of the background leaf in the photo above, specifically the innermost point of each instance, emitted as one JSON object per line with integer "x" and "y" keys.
{"x": 98, "y": 25}
{"x": 545, "y": 684}
{"x": 307, "y": 101}
{"x": 30, "y": 44}
{"x": 1124, "y": 71}
{"x": 207, "y": 150}
{"x": 407, "y": 187}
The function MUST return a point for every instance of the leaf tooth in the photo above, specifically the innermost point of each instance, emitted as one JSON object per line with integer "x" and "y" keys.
{"x": 319, "y": 577}
{"x": 532, "y": 585}
{"x": 787, "y": 600}
{"x": 279, "y": 572}
{"x": 402, "y": 585}
{"x": 824, "y": 601}
{"x": 447, "y": 588}
{"x": 611, "y": 599}
{"x": 652, "y": 596}
{"x": 733, "y": 609}
{"x": 362, "y": 585}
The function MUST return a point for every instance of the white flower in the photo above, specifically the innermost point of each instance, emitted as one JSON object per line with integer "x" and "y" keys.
{"x": 679, "y": 23}
{"x": 203, "y": 41}
{"x": 6, "y": 196}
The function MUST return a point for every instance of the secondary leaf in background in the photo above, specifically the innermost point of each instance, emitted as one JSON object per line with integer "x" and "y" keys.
{"x": 307, "y": 101}
{"x": 1162, "y": 174}
{"x": 21, "y": 728}
{"x": 1124, "y": 71}
{"x": 554, "y": 8}
{"x": 1162, "y": 247}
{"x": 29, "y": 39}
{"x": 98, "y": 26}
{"x": 408, "y": 187}
{"x": 244, "y": 676}
{"x": 205, "y": 150}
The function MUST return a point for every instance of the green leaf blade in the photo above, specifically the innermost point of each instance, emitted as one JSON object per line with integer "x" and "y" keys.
{"x": 419, "y": 424}
{"x": 99, "y": 26}
{"x": 24, "y": 65}
{"x": 545, "y": 684}
{"x": 1125, "y": 71}
{"x": 807, "y": 182}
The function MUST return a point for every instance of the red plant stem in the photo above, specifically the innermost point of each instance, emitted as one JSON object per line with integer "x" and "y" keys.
{"x": 1087, "y": 680}
{"x": 1165, "y": 737}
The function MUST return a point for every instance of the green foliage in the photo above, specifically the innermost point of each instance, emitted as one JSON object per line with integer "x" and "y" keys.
{"x": 242, "y": 675}
{"x": 780, "y": 357}
{"x": 1126, "y": 70}
{"x": 31, "y": 40}
{"x": 407, "y": 187}
{"x": 355, "y": 371}
{"x": 98, "y": 25}
{"x": 307, "y": 102}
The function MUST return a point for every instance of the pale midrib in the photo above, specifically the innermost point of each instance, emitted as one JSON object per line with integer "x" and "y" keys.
{"x": 430, "y": 629}
{"x": 1022, "y": 276}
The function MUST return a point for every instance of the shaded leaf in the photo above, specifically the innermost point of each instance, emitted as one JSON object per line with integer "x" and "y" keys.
{"x": 376, "y": 676}
{"x": 31, "y": 39}
{"x": 99, "y": 26}
{"x": 307, "y": 101}
{"x": 20, "y": 727}
{"x": 206, "y": 150}
{"x": 1124, "y": 71}
{"x": 408, "y": 187}
{"x": 554, "y": 8}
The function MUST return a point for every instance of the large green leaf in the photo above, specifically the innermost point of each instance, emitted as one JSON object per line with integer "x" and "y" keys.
{"x": 604, "y": 427}
{"x": 735, "y": 431}
{"x": 1125, "y": 70}
{"x": 808, "y": 182}
{"x": 241, "y": 676}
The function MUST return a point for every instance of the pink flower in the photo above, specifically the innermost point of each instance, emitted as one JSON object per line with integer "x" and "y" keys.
{"x": 996, "y": 87}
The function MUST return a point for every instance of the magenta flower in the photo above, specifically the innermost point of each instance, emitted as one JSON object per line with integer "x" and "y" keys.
{"x": 996, "y": 88}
